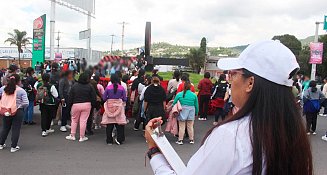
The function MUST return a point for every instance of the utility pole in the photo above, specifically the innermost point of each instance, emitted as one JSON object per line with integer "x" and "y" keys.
{"x": 52, "y": 28}
{"x": 88, "y": 43}
{"x": 112, "y": 42}
{"x": 314, "y": 66}
{"x": 123, "y": 35}
{"x": 58, "y": 38}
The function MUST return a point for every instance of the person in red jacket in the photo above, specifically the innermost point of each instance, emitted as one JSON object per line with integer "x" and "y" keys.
{"x": 180, "y": 86}
{"x": 65, "y": 67}
{"x": 204, "y": 87}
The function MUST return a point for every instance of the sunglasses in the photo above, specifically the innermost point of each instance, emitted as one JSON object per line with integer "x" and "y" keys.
{"x": 233, "y": 73}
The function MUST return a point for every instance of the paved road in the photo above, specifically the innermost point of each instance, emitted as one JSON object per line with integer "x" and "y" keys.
{"x": 54, "y": 155}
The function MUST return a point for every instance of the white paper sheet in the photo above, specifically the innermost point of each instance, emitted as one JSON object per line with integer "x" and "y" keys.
{"x": 168, "y": 151}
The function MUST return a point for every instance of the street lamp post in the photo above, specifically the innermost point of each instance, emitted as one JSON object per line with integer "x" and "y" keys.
{"x": 314, "y": 66}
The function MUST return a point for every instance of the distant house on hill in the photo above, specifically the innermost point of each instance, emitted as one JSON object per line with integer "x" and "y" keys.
{"x": 212, "y": 65}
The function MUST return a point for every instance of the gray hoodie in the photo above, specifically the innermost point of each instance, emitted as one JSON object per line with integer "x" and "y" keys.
{"x": 309, "y": 95}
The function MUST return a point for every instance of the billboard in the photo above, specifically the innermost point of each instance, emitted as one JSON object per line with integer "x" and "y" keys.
{"x": 38, "y": 49}
{"x": 316, "y": 51}
{"x": 86, "y": 5}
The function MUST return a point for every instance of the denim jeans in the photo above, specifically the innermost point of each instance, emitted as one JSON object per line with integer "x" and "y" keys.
{"x": 28, "y": 117}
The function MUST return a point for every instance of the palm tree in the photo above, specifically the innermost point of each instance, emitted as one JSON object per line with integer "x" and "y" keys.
{"x": 19, "y": 39}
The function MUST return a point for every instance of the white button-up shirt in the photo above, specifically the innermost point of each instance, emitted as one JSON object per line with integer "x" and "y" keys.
{"x": 227, "y": 150}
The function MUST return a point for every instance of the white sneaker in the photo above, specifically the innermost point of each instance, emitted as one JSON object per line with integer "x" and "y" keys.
{"x": 68, "y": 126}
{"x": 97, "y": 127}
{"x": 204, "y": 119}
{"x": 180, "y": 142}
{"x": 314, "y": 133}
{"x": 15, "y": 149}
{"x": 44, "y": 134}
{"x": 82, "y": 139}
{"x": 52, "y": 123}
{"x": 324, "y": 138}
{"x": 118, "y": 143}
{"x": 59, "y": 122}
{"x": 191, "y": 141}
{"x": 70, "y": 137}
{"x": 63, "y": 129}
{"x": 2, "y": 146}
{"x": 50, "y": 131}
{"x": 200, "y": 119}
{"x": 308, "y": 133}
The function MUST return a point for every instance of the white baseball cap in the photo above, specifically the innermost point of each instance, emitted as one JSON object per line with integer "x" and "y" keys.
{"x": 268, "y": 59}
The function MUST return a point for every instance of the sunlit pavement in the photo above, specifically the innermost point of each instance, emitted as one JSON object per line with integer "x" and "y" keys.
{"x": 56, "y": 155}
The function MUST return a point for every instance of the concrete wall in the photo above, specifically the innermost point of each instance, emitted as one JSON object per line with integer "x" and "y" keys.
{"x": 4, "y": 63}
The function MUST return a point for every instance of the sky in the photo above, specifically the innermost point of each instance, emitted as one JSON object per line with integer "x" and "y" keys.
{"x": 183, "y": 22}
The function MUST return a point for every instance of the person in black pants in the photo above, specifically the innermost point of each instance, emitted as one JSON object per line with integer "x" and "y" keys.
{"x": 47, "y": 113}
{"x": 13, "y": 122}
{"x": 48, "y": 105}
{"x": 120, "y": 133}
{"x": 205, "y": 87}
{"x": 89, "y": 123}
{"x": 65, "y": 84}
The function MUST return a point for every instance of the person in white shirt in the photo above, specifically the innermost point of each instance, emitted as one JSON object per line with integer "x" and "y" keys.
{"x": 134, "y": 75}
{"x": 324, "y": 104}
{"x": 266, "y": 136}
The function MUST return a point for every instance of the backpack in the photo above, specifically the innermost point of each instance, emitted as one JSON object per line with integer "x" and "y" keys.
{"x": 312, "y": 106}
{"x": 8, "y": 105}
{"x": 44, "y": 96}
{"x": 220, "y": 90}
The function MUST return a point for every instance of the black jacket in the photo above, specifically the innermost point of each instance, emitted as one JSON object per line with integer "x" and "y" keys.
{"x": 82, "y": 93}
{"x": 64, "y": 88}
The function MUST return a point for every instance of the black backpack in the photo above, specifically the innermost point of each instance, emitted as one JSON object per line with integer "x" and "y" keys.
{"x": 219, "y": 90}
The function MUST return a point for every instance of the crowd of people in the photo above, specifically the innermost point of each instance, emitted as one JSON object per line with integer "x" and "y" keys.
{"x": 73, "y": 96}
{"x": 71, "y": 99}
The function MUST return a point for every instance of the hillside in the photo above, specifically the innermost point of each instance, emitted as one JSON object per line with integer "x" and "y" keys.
{"x": 306, "y": 41}
{"x": 163, "y": 49}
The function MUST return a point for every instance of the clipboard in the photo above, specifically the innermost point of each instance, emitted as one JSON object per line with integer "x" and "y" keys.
{"x": 168, "y": 151}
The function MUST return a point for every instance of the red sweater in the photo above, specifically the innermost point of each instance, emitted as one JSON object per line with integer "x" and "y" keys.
{"x": 181, "y": 88}
{"x": 205, "y": 87}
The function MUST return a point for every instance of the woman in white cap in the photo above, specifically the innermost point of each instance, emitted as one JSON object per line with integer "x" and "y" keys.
{"x": 266, "y": 136}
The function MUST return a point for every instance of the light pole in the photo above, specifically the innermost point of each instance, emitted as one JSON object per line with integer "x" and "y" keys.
{"x": 314, "y": 66}
{"x": 112, "y": 42}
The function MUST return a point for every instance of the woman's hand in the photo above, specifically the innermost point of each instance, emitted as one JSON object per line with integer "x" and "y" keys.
{"x": 152, "y": 124}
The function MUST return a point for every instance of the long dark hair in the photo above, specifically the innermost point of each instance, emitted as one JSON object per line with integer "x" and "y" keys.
{"x": 277, "y": 132}
{"x": 13, "y": 80}
{"x": 177, "y": 75}
{"x": 187, "y": 86}
{"x": 46, "y": 79}
{"x": 84, "y": 78}
{"x": 115, "y": 81}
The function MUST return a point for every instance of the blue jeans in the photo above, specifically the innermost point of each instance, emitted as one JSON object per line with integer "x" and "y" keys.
{"x": 29, "y": 112}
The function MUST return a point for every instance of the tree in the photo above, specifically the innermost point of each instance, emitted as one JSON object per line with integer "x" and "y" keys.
{"x": 19, "y": 39}
{"x": 303, "y": 60}
{"x": 291, "y": 42}
{"x": 203, "y": 45}
{"x": 197, "y": 58}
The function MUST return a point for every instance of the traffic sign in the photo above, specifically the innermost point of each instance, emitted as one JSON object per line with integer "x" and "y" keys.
{"x": 325, "y": 23}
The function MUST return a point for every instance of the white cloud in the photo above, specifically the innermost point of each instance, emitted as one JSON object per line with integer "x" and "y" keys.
{"x": 185, "y": 22}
